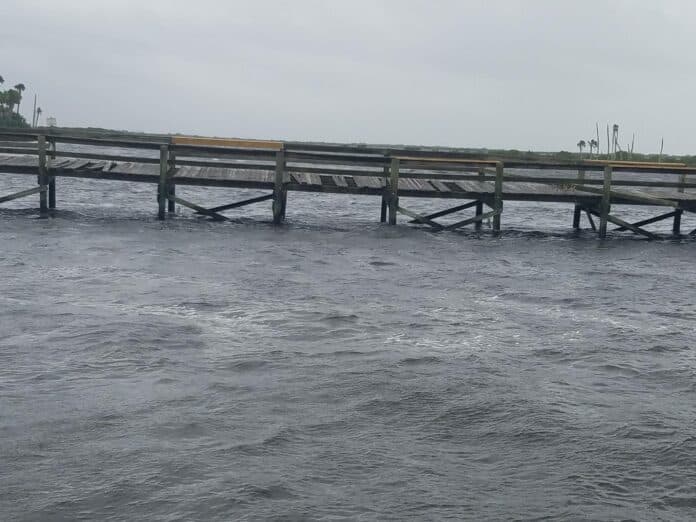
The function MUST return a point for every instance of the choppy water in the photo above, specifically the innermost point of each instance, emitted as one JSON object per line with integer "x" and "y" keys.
{"x": 335, "y": 368}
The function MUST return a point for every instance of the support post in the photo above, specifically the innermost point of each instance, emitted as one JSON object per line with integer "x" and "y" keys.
{"x": 162, "y": 187}
{"x": 498, "y": 196}
{"x": 393, "y": 190}
{"x": 606, "y": 202}
{"x": 385, "y": 198}
{"x": 43, "y": 175}
{"x": 51, "y": 179}
{"x": 578, "y": 208}
{"x": 171, "y": 185}
{"x": 676, "y": 224}
{"x": 280, "y": 193}
{"x": 479, "y": 205}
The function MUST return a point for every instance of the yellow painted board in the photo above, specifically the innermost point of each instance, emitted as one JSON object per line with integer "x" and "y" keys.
{"x": 635, "y": 163}
{"x": 227, "y": 142}
{"x": 447, "y": 160}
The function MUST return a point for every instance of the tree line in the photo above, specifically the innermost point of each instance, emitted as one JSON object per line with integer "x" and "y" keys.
{"x": 10, "y": 102}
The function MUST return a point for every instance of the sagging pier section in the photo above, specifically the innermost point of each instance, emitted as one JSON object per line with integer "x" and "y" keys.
{"x": 595, "y": 188}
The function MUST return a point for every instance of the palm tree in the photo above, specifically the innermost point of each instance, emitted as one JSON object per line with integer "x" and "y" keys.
{"x": 20, "y": 88}
{"x": 581, "y": 146}
{"x": 38, "y": 115}
{"x": 12, "y": 98}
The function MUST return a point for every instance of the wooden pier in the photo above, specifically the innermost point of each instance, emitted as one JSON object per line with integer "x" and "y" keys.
{"x": 482, "y": 184}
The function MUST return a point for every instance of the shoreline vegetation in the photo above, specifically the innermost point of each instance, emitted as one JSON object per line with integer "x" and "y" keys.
{"x": 10, "y": 102}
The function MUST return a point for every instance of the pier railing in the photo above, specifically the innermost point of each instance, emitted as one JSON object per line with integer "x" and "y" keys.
{"x": 392, "y": 172}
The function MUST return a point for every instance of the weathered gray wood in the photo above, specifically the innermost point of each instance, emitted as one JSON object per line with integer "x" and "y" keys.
{"x": 479, "y": 203}
{"x": 451, "y": 210}
{"x": 238, "y": 204}
{"x": 43, "y": 175}
{"x": 199, "y": 209}
{"x": 643, "y": 198}
{"x": 18, "y": 150}
{"x": 171, "y": 184}
{"x": 476, "y": 219}
{"x": 51, "y": 179}
{"x": 420, "y": 219}
{"x": 649, "y": 220}
{"x": 279, "y": 189}
{"x": 629, "y": 226}
{"x": 589, "y": 218}
{"x": 498, "y": 196}
{"x": 162, "y": 185}
{"x": 578, "y": 208}
{"x": 393, "y": 190}
{"x": 605, "y": 205}
{"x": 21, "y": 194}
{"x": 676, "y": 224}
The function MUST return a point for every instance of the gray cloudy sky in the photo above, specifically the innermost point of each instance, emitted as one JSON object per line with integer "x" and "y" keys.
{"x": 517, "y": 74}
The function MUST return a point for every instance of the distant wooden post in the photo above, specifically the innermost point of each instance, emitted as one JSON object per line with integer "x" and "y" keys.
{"x": 676, "y": 225}
{"x": 393, "y": 190}
{"x": 43, "y": 175}
{"x": 51, "y": 179}
{"x": 479, "y": 203}
{"x": 171, "y": 204}
{"x": 578, "y": 209}
{"x": 606, "y": 203}
{"x": 162, "y": 187}
{"x": 385, "y": 198}
{"x": 498, "y": 196}
{"x": 280, "y": 193}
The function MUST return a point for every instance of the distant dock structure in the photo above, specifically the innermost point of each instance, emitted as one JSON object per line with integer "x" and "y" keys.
{"x": 479, "y": 185}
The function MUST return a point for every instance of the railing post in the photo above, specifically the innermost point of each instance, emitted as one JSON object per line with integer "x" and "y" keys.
{"x": 498, "y": 196}
{"x": 393, "y": 190}
{"x": 162, "y": 186}
{"x": 479, "y": 203}
{"x": 606, "y": 202}
{"x": 51, "y": 179}
{"x": 280, "y": 192}
{"x": 171, "y": 204}
{"x": 385, "y": 198}
{"x": 43, "y": 175}
{"x": 676, "y": 225}
{"x": 578, "y": 209}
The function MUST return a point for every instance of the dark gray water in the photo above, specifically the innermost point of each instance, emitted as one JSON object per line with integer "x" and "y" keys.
{"x": 335, "y": 368}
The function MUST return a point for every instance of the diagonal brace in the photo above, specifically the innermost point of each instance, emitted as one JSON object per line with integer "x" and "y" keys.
{"x": 649, "y": 221}
{"x": 197, "y": 208}
{"x": 449, "y": 211}
{"x": 474, "y": 219}
{"x": 23, "y": 193}
{"x": 241, "y": 203}
{"x": 420, "y": 219}
{"x": 626, "y": 225}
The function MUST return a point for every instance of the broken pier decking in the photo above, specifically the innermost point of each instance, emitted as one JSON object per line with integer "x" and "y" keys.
{"x": 591, "y": 186}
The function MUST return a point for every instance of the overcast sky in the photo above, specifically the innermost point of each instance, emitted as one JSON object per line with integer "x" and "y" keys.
{"x": 516, "y": 74}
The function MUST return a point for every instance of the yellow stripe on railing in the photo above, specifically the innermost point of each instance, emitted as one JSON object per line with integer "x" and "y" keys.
{"x": 227, "y": 142}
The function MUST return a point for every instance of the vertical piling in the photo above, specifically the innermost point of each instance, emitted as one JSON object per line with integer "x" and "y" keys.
{"x": 393, "y": 190}
{"x": 578, "y": 209}
{"x": 280, "y": 193}
{"x": 498, "y": 196}
{"x": 51, "y": 178}
{"x": 676, "y": 224}
{"x": 385, "y": 197}
{"x": 606, "y": 202}
{"x": 162, "y": 187}
{"x": 479, "y": 203}
{"x": 171, "y": 204}
{"x": 43, "y": 175}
